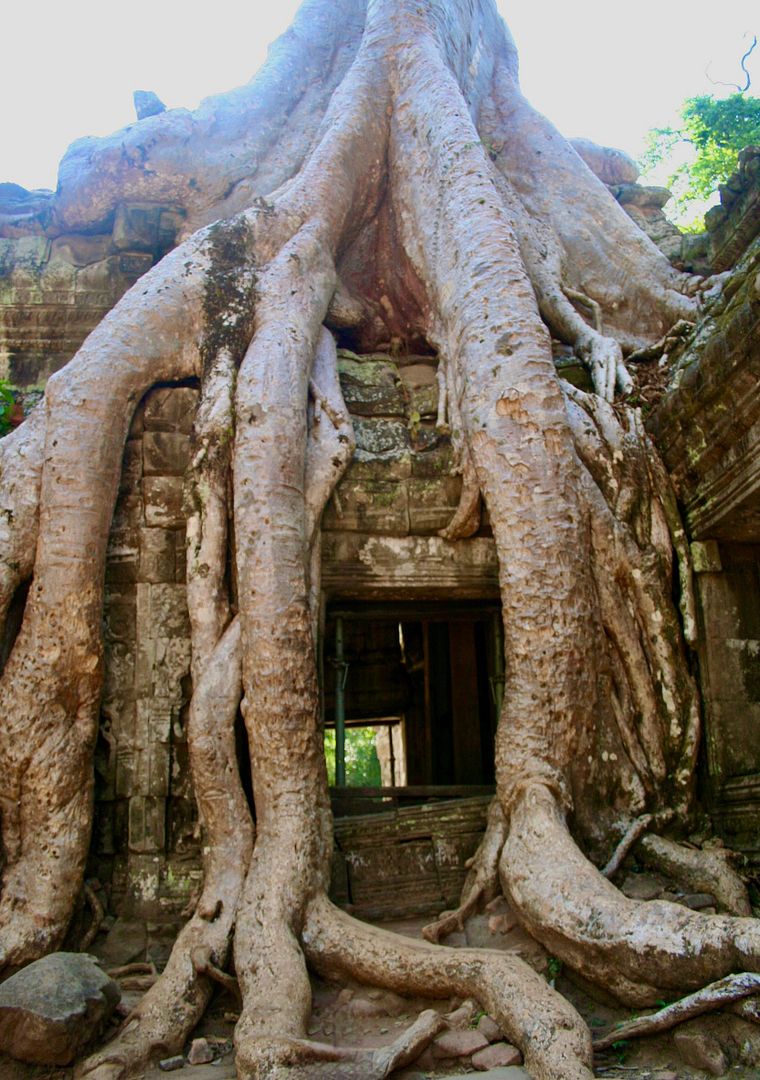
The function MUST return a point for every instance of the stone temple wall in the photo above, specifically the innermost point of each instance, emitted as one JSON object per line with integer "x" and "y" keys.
{"x": 145, "y": 842}
{"x": 379, "y": 540}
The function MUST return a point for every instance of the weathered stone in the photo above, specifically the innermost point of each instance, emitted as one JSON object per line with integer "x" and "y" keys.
{"x": 705, "y": 556}
{"x": 501, "y": 924}
{"x": 361, "y": 1006}
{"x": 372, "y": 387}
{"x": 509, "y": 1072}
{"x": 700, "y": 1050}
{"x": 201, "y": 1052}
{"x": 423, "y": 401}
{"x": 171, "y": 409}
{"x": 457, "y": 1044}
{"x": 379, "y": 436}
{"x": 158, "y": 555}
{"x": 432, "y": 503}
{"x": 641, "y": 887}
{"x": 165, "y": 453}
{"x": 637, "y": 195}
{"x": 612, "y": 166}
{"x": 147, "y": 103}
{"x": 462, "y": 1016}
{"x": 495, "y": 1056}
{"x": 393, "y": 466}
{"x": 370, "y": 506}
{"x": 162, "y": 496}
{"x": 147, "y": 821}
{"x": 699, "y": 901}
{"x": 487, "y": 1026}
{"x": 125, "y": 943}
{"x": 172, "y": 1063}
{"x": 52, "y": 1008}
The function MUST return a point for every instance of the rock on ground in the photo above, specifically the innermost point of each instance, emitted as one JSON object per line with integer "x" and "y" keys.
{"x": 497, "y": 1054}
{"x": 52, "y": 1008}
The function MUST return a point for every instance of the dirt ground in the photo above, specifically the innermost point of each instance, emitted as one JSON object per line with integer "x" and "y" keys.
{"x": 366, "y": 1017}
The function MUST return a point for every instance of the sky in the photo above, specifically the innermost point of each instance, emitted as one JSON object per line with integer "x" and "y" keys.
{"x": 597, "y": 69}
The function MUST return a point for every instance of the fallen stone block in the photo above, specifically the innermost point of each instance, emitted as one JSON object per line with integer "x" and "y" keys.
{"x": 51, "y": 1009}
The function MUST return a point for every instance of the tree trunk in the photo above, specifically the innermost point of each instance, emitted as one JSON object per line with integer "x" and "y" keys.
{"x": 382, "y": 175}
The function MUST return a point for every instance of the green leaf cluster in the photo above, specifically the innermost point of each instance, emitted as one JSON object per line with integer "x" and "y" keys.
{"x": 715, "y": 129}
{"x": 7, "y": 401}
{"x": 362, "y": 762}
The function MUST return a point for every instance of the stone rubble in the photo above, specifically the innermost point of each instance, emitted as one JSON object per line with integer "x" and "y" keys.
{"x": 52, "y": 1008}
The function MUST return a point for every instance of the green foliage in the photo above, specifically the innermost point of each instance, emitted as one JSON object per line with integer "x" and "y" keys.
{"x": 621, "y": 1049}
{"x": 553, "y": 968}
{"x": 7, "y": 401}
{"x": 714, "y": 130}
{"x": 362, "y": 762}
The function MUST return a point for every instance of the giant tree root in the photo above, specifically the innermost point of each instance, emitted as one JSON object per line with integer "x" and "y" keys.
{"x": 706, "y": 870}
{"x": 716, "y": 996}
{"x": 639, "y": 951}
{"x": 390, "y": 191}
{"x": 301, "y": 1059}
{"x": 552, "y": 1037}
{"x": 165, "y": 1016}
{"x": 481, "y": 883}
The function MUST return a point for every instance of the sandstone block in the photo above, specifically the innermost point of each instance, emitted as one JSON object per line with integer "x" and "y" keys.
{"x": 171, "y": 409}
{"x": 125, "y": 944}
{"x": 701, "y": 1050}
{"x": 172, "y": 1063}
{"x": 487, "y": 1026}
{"x": 641, "y": 887}
{"x": 457, "y": 1044}
{"x": 498, "y": 1055}
{"x": 371, "y": 387}
{"x": 162, "y": 496}
{"x": 158, "y": 555}
{"x": 200, "y": 1052}
{"x": 165, "y": 453}
{"x": 52, "y": 1008}
{"x": 379, "y": 436}
{"x": 147, "y": 823}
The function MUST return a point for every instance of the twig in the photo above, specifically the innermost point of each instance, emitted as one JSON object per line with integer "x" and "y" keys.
{"x": 715, "y": 996}
{"x": 742, "y": 62}
{"x": 654, "y": 352}
{"x": 632, "y": 835}
{"x": 138, "y": 968}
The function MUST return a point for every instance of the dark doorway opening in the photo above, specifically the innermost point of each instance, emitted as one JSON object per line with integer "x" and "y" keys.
{"x": 419, "y": 686}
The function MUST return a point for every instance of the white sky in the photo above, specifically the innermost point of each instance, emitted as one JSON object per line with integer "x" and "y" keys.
{"x": 604, "y": 70}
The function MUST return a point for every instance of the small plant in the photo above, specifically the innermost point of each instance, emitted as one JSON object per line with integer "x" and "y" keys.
{"x": 554, "y": 969}
{"x": 621, "y": 1049}
{"x": 7, "y": 406}
{"x": 476, "y": 1018}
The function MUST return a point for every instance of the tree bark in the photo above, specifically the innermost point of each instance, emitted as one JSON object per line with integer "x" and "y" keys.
{"x": 382, "y": 176}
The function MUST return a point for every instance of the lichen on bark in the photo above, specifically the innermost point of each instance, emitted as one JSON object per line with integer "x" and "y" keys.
{"x": 383, "y": 179}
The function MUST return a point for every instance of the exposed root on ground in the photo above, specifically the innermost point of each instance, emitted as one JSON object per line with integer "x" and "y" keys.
{"x": 482, "y": 882}
{"x": 640, "y": 951}
{"x": 716, "y": 996}
{"x": 630, "y": 838}
{"x": 552, "y": 1037}
{"x": 706, "y": 870}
